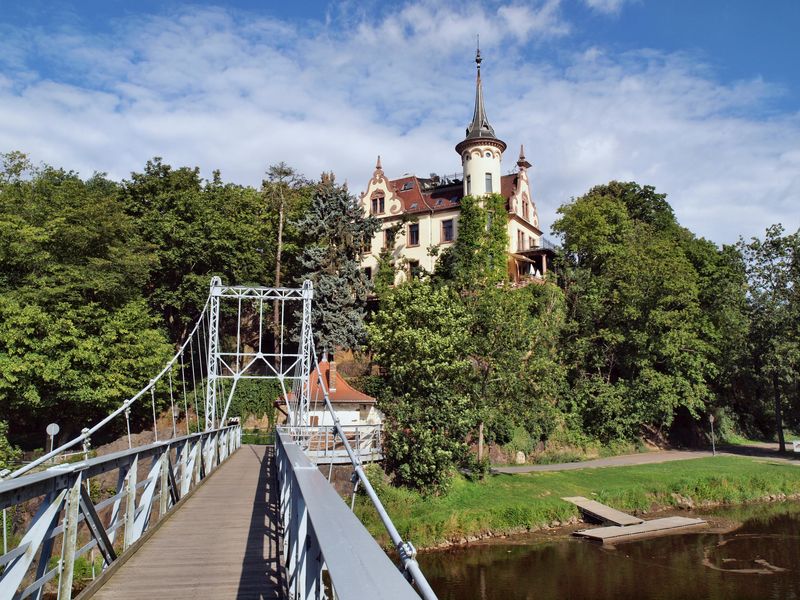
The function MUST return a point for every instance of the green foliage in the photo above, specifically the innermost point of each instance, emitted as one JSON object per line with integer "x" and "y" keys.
{"x": 336, "y": 231}
{"x": 255, "y": 398}
{"x": 75, "y": 337}
{"x": 773, "y": 270}
{"x": 640, "y": 342}
{"x": 479, "y": 255}
{"x": 418, "y": 337}
{"x": 197, "y": 229}
{"x": 8, "y": 453}
{"x": 516, "y": 378}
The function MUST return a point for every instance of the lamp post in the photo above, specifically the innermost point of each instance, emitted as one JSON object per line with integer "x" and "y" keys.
{"x": 713, "y": 443}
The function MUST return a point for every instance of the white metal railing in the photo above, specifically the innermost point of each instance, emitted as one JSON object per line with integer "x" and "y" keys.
{"x": 323, "y": 445}
{"x": 70, "y": 513}
{"x": 309, "y": 545}
{"x": 320, "y": 533}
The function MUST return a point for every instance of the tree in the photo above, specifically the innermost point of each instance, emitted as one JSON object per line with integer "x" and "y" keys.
{"x": 479, "y": 255}
{"x": 638, "y": 343}
{"x": 75, "y": 337}
{"x": 773, "y": 271}
{"x": 197, "y": 229}
{"x": 285, "y": 191}
{"x": 418, "y": 338}
{"x": 335, "y": 230}
{"x": 516, "y": 376}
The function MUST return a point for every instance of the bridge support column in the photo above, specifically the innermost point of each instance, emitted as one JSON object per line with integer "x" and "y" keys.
{"x": 69, "y": 542}
{"x": 213, "y": 353}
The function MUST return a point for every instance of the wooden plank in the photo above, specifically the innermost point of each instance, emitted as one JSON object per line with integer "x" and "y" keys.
{"x": 602, "y": 512}
{"x": 646, "y": 529}
{"x": 222, "y": 544}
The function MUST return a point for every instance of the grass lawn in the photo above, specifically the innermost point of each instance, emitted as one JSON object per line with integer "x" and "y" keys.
{"x": 506, "y": 503}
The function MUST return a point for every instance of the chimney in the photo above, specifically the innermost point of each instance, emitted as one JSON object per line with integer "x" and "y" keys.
{"x": 332, "y": 376}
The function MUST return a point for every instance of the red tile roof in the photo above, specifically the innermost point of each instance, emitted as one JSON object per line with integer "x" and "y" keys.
{"x": 344, "y": 392}
{"x": 423, "y": 195}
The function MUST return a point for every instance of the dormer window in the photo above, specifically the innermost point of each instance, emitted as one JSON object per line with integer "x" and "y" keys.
{"x": 407, "y": 186}
{"x": 378, "y": 205}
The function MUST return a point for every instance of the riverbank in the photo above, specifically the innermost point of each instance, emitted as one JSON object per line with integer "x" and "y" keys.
{"x": 509, "y": 504}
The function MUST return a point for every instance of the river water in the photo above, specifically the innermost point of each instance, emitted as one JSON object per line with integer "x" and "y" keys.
{"x": 750, "y": 553}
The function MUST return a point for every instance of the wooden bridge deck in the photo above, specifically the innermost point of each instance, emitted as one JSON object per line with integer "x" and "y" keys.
{"x": 223, "y": 543}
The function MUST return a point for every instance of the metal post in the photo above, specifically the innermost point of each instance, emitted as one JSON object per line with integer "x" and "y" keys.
{"x": 305, "y": 356}
{"x": 69, "y": 540}
{"x": 213, "y": 353}
{"x": 713, "y": 441}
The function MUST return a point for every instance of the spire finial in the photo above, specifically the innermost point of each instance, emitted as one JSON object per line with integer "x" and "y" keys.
{"x": 378, "y": 166}
{"x": 478, "y": 58}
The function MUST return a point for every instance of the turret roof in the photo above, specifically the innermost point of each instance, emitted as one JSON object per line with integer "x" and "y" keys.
{"x": 479, "y": 129}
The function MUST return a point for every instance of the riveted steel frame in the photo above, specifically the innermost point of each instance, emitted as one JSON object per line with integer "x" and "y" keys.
{"x": 69, "y": 513}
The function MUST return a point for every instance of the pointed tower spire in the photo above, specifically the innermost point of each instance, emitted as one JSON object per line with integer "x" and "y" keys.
{"x": 378, "y": 166}
{"x": 479, "y": 129}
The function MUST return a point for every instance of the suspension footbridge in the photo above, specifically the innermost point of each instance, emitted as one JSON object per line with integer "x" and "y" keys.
{"x": 193, "y": 513}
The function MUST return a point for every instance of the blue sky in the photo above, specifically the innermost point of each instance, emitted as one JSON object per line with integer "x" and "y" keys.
{"x": 701, "y": 99}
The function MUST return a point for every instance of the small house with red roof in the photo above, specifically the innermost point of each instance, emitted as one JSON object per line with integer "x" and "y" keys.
{"x": 351, "y": 406}
{"x": 426, "y": 209}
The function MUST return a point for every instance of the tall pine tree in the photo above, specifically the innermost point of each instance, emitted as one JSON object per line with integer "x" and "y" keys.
{"x": 336, "y": 230}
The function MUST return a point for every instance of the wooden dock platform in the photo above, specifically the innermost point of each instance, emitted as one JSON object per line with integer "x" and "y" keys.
{"x": 616, "y": 533}
{"x": 223, "y": 543}
{"x": 603, "y": 513}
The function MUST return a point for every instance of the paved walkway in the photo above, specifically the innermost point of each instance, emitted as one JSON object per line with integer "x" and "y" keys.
{"x": 760, "y": 450}
{"x": 223, "y": 543}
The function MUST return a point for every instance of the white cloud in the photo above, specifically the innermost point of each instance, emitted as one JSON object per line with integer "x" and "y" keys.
{"x": 233, "y": 91}
{"x": 609, "y": 7}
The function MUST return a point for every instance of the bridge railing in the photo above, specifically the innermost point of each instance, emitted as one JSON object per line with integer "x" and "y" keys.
{"x": 73, "y": 520}
{"x": 322, "y": 534}
{"x": 324, "y": 445}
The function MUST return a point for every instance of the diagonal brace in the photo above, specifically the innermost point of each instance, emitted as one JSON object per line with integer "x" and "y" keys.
{"x": 96, "y": 527}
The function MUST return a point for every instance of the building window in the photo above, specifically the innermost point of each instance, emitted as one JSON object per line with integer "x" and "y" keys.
{"x": 520, "y": 240}
{"x": 531, "y": 243}
{"x": 525, "y": 209}
{"x": 447, "y": 230}
{"x": 378, "y": 205}
{"x": 413, "y": 234}
{"x": 388, "y": 239}
{"x": 469, "y": 185}
{"x": 368, "y": 272}
{"x": 488, "y": 183}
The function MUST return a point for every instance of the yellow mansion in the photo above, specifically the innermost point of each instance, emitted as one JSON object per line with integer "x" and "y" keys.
{"x": 428, "y": 208}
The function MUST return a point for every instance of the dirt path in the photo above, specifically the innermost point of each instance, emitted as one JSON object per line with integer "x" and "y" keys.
{"x": 758, "y": 450}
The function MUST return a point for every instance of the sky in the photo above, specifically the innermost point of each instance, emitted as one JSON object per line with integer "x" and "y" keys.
{"x": 699, "y": 99}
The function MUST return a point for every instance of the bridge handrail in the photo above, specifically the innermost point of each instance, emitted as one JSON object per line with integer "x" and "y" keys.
{"x": 321, "y": 532}
{"x": 66, "y": 489}
{"x": 404, "y": 548}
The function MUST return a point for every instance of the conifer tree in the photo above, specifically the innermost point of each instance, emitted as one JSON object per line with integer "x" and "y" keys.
{"x": 336, "y": 231}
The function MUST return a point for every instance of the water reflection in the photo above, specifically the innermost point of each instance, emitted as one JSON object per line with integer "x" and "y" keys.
{"x": 759, "y": 560}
